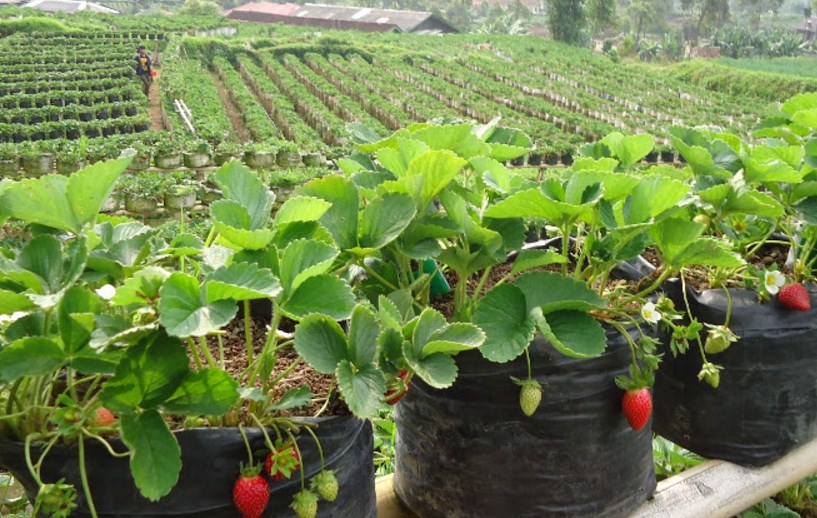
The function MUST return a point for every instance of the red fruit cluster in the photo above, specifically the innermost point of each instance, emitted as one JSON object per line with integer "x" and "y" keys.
{"x": 394, "y": 395}
{"x": 282, "y": 464}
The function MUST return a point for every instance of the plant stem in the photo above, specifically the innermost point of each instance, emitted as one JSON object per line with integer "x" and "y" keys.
{"x": 207, "y": 354}
{"x": 246, "y": 442}
{"x": 284, "y": 374}
{"x": 655, "y": 285}
{"x": 195, "y": 350}
{"x": 379, "y": 277}
{"x": 263, "y": 429}
{"x": 298, "y": 449}
{"x": 83, "y": 474}
{"x": 248, "y": 331}
{"x": 220, "y": 350}
{"x": 317, "y": 444}
{"x": 527, "y": 359}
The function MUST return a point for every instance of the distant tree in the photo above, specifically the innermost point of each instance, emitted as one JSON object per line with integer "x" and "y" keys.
{"x": 643, "y": 13}
{"x": 602, "y": 14}
{"x": 567, "y": 21}
{"x": 200, "y": 8}
{"x": 704, "y": 16}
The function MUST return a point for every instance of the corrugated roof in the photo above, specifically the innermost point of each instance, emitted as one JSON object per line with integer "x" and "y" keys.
{"x": 342, "y": 17}
{"x": 406, "y": 21}
{"x": 68, "y": 6}
{"x": 268, "y": 8}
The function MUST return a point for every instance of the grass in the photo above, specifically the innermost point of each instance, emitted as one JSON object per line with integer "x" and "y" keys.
{"x": 803, "y": 66}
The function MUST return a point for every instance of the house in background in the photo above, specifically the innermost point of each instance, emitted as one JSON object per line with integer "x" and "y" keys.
{"x": 68, "y": 6}
{"x": 808, "y": 29}
{"x": 342, "y": 17}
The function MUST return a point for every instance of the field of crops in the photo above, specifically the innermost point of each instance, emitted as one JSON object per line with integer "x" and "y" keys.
{"x": 295, "y": 94}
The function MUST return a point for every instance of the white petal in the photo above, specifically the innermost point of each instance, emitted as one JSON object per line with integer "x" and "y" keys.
{"x": 106, "y": 292}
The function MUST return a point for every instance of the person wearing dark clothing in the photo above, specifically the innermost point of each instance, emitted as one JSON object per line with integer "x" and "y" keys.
{"x": 144, "y": 69}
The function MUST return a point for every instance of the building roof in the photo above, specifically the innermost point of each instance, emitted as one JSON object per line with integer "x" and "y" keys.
{"x": 364, "y": 18}
{"x": 267, "y": 8}
{"x": 68, "y": 6}
{"x": 809, "y": 25}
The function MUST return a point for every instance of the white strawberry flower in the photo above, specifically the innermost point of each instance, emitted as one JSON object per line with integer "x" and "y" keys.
{"x": 773, "y": 280}
{"x": 106, "y": 292}
{"x": 650, "y": 314}
{"x": 8, "y": 319}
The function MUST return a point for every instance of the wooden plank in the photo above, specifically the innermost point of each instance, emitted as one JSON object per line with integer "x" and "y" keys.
{"x": 714, "y": 489}
{"x": 718, "y": 489}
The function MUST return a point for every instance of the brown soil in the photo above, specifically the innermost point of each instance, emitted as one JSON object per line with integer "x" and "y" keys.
{"x": 154, "y": 104}
{"x": 235, "y": 362}
{"x": 231, "y": 110}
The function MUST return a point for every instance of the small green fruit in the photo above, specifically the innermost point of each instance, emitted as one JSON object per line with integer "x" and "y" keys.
{"x": 326, "y": 484}
{"x": 305, "y": 504}
{"x": 530, "y": 395}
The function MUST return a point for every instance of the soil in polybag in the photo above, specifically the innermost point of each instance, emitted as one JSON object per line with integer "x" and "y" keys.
{"x": 469, "y": 451}
{"x": 210, "y": 467}
{"x": 766, "y": 403}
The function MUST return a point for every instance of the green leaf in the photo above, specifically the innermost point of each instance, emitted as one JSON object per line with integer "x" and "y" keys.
{"x": 184, "y": 312}
{"x": 673, "y": 235}
{"x": 437, "y": 169}
{"x": 322, "y": 294}
{"x": 654, "y": 195}
{"x": 234, "y": 224}
{"x": 363, "y": 333}
{"x": 530, "y": 259}
{"x": 454, "y": 338}
{"x": 805, "y": 101}
{"x": 303, "y": 259}
{"x": 555, "y": 292}
{"x": 437, "y": 370}
{"x": 384, "y": 219}
{"x": 241, "y": 281}
{"x": 155, "y": 456}
{"x": 503, "y": 316}
{"x": 362, "y": 388}
{"x": 75, "y": 315}
{"x": 574, "y": 333}
{"x": 32, "y": 356}
{"x": 630, "y": 149}
{"x": 341, "y": 219}
{"x": 11, "y": 302}
{"x": 294, "y": 398}
{"x": 42, "y": 256}
{"x": 321, "y": 342}
{"x": 246, "y": 189}
{"x": 429, "y": 322}
{"x": 141, "y": 288}
{"x": 301, "y": 208}
{"x": 206, "y": 392}
{"x": 708, "y": 251}
{"x": 397, "y": 160}
{"x": 148, "y": 374}
{"x": 59, "y": 202}
{"x": 90, "y": 188}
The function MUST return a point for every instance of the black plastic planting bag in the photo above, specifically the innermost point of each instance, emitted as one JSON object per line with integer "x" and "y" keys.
{"x": 210, "y": 467}
{"x": 766, "y": 403}
{"x": 469, "y": 451}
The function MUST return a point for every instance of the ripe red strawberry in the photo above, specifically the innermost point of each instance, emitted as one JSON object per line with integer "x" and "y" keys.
{"x": 103, "y": 417}
{"x": 636, "y": 405}
{"x": 794, "y": 296}
{"x": 394, "y": 395}
{"x": 283, "y": 464}
{"x": 251, "y": 492}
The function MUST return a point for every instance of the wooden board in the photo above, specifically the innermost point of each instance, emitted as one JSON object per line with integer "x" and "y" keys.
{"x": 714, "y": 489}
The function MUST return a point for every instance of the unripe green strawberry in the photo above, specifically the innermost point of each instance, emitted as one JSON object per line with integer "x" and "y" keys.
{"x": 305, "y": 504}
{"x": 326, "y": 484}
{"x": 718, "y": 339}
{"x": 530, "y": 395}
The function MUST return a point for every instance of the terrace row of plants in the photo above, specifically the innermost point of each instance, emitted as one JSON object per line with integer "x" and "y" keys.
{"x": 278, "y": 105}
{"x": 389, "y": 115}
{"x": 125, "y": 93}
{"x": 255, "y": 118}
{"x": 157, "y": 149}
{"x": 79, "y": 112}
{"x": 341, "y": 104}
{"x": 74, "y": 129}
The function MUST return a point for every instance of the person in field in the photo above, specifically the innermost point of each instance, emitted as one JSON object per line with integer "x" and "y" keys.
{"x": 144, "y": 68}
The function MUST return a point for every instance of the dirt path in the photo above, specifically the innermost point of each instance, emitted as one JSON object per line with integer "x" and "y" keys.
{"x": 153, "y": 104}
{"x": 231, "y": 111}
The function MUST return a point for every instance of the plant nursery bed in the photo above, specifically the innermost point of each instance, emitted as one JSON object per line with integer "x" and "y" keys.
{"x": 715, "y": 489}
